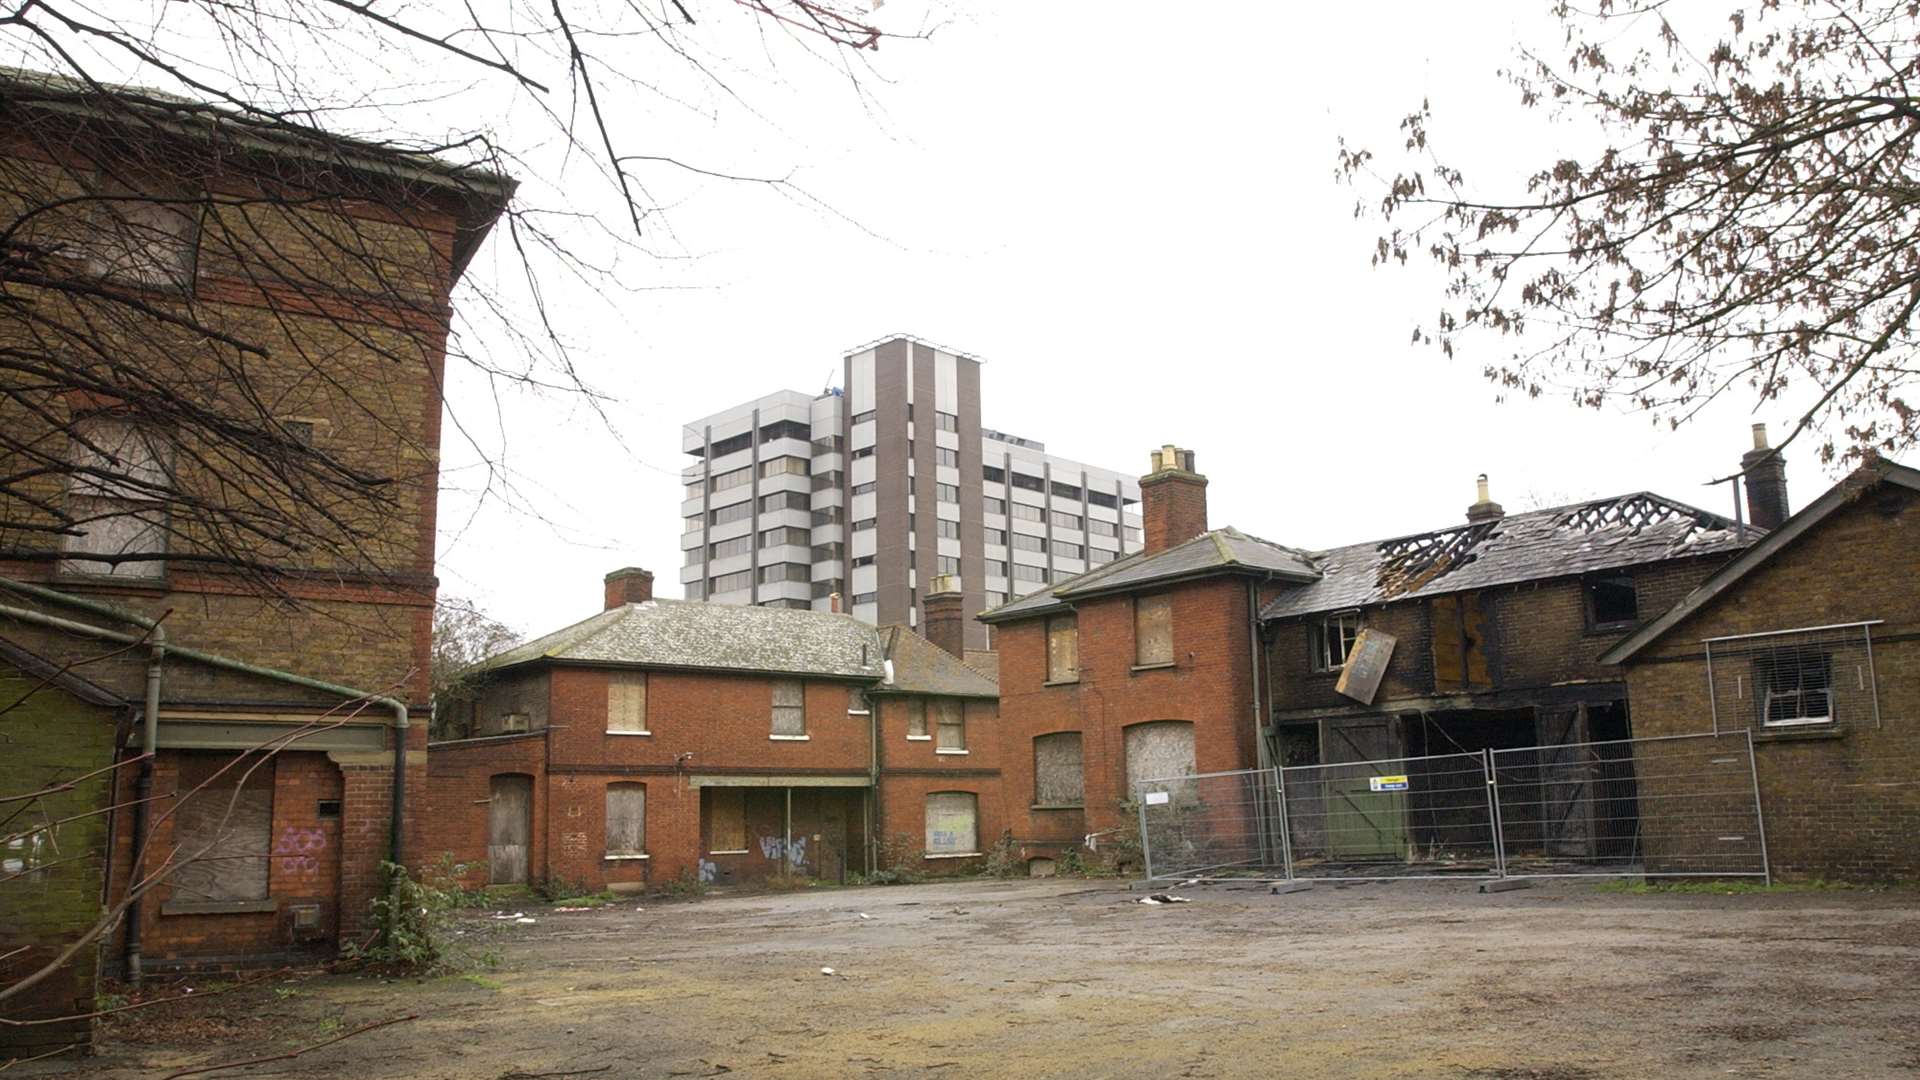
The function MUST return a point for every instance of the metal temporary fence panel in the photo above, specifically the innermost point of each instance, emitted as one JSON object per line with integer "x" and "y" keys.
{"x": 1215, "y": 825}
{"x": 1392, "y": 818}
{"x": 1683, "y": 805}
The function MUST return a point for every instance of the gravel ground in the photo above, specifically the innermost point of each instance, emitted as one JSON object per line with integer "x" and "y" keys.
{"x": 1064, "y": 978}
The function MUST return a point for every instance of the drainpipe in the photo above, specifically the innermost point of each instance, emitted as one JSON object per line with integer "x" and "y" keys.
{"x": 156, "y": 636}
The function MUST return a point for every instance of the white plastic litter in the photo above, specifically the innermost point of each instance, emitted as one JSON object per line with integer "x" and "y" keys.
{"x": 1163, "y": 898}
{"x": 864, "y": 915}
{"x": 828, "y": 971}
{"x": 525, "y": 921}
{"x": 503, "y": 916}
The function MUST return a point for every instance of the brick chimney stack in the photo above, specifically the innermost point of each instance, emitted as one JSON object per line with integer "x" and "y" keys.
{"x": 1173, "y": 500}
{"x": 628, "y": 585}
{"x": 945, "y": 624}
{"x": 1766, "y": 473}
{"x": 1484, "y": 508}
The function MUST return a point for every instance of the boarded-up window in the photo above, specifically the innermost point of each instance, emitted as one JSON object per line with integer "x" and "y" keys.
{"x": 916, "y": 711}
{"x": 627, "y": 701}
{"x": 1153, "y": 630}
{"x": 626, "y": 819}
{"x": 1159, "y": 750}
{"x": 509, "y": 828}
{"x": 789, "y": 707}
{"x": 952, "y": 724}
{"x": 857, "y": 700}
{"x": 1063, "y": 649}
{"x": 726, "y": 821}
{"x": 953, "y": 823}
{"x": 1459, "y": 628}
{"x": 224, "y": 828}
{"x": 120, "y": 475}
{"x": 1057, "y": 780}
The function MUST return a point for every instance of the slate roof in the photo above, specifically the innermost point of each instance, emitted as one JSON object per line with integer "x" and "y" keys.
{"x": 921, "y": 667}
{"x": 1603, "y": 534}
{"x": 1222, "y": 551}
{"x": 716, "y": 637}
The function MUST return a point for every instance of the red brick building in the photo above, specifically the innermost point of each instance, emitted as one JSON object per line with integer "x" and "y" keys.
{"x": 278, "y": 712}
{"x": 1810, "y": 641}
{"x": 1143, "y": 668}
{"x": 664, "y": 740}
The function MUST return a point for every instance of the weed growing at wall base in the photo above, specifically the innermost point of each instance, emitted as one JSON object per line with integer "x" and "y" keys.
{"x": 413, "y": 922}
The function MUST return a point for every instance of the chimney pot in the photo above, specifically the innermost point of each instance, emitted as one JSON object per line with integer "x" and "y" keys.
{"x": 833, "y": 603}
{"x": 1173, "y": 500}
{"x": 1484, "y": 508}
{"x": 628, "y": 585}
{"x": 1759, "y": 436}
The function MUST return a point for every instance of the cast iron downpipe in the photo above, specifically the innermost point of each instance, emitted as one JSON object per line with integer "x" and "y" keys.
{"x": 155, "y": 635}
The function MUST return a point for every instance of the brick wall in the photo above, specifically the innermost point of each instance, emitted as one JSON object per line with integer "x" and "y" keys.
{"x": 912, "y": 769}
{"x": 1839, "y": 803}
{"x": 1209, "y": 684}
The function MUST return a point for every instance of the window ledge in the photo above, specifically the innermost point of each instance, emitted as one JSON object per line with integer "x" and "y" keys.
{"x": 218, "y": 907}
{"x": 1061, "y": 806}
{"x": 859, "y": 712}
{"x": 959, "y": 855}
{"x": 1799, "y": 733}
{"x": 730, "y": 851}
{"x": 1138, "y": 668}
{"x": 629, "y": 732}
{"x": 919, "y": 738}
{"x": 1061, "y": 682}
{"x": 947, "y": 750}
{"x": 625, "y": 858}
{"x": 791, "y": 738}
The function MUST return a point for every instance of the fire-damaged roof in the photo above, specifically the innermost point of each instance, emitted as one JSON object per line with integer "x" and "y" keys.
{"x": 1562, "y": 541}
{"x": 1222, "y": 551}
{"x": 717, "y": 637}
{"x": 921, "y": 667}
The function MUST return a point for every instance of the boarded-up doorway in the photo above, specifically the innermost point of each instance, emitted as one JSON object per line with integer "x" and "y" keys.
{"x": 509, "y": 829}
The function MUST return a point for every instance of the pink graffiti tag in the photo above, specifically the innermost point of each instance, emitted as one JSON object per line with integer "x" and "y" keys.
{"x": 298, "y": 848}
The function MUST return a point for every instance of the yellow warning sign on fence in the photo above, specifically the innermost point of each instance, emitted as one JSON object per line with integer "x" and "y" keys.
{"x": 1386, "y": 783}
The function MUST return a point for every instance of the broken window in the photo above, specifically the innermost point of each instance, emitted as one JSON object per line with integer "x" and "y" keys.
{"x": 916, "y": 710}
{"x": 115, "y": 495}
{"x": 1057, "y": 778}
{"x": 950, "y": 724}
{"x": 789, "y": 707}
{"x": 1153, "y": 630}
{"x": 223, "y": 827}
{"x": 627, "y": 702}
{"x": 726, "y": 821}
{"x": 1795, "y": 686}
{"x": 953, "y": 823}
{"x": 1063, "y": 649}
{"x": 1333, "y": 639}
{"x": 1611, "y": 600}
{"x": 1159, "y": 750}
{"x": 626, "y": 819}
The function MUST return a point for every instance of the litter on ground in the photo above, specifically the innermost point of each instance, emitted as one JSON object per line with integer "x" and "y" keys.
{"x": 1163, "y": 898}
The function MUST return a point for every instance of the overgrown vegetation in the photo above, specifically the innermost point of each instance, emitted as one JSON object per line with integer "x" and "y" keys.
{"x": 414, "y": 922}
{"x": 1003, "y": 858}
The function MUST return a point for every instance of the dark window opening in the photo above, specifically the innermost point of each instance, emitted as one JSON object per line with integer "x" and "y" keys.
{"x": 1611, "y": 601}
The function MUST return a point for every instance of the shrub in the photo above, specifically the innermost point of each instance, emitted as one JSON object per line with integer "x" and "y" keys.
{"x": 414, "y": 920}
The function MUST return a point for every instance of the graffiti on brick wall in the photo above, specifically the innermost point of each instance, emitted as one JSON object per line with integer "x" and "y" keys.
{"x": 574, "y": 844}
{"x": 709, "y": 871}
{"x": 772, "y": 846}
{"x": 298, "y": 849}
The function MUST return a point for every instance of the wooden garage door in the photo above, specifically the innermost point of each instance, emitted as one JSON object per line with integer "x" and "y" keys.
{"x": 509, "y": 829}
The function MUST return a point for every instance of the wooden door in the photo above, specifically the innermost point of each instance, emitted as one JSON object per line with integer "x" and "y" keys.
{"x": 509, "y": 829}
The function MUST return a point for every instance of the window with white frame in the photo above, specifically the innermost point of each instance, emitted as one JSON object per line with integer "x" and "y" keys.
{"x": 1794, "y": 686}
{"x": 1333, "y": 638}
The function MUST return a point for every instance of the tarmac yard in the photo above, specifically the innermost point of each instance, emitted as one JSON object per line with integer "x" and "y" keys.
{"x": 1072, "y": 978}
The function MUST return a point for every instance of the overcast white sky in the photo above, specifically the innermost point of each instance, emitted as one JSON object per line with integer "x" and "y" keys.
{"x": 1135, "y": 222}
